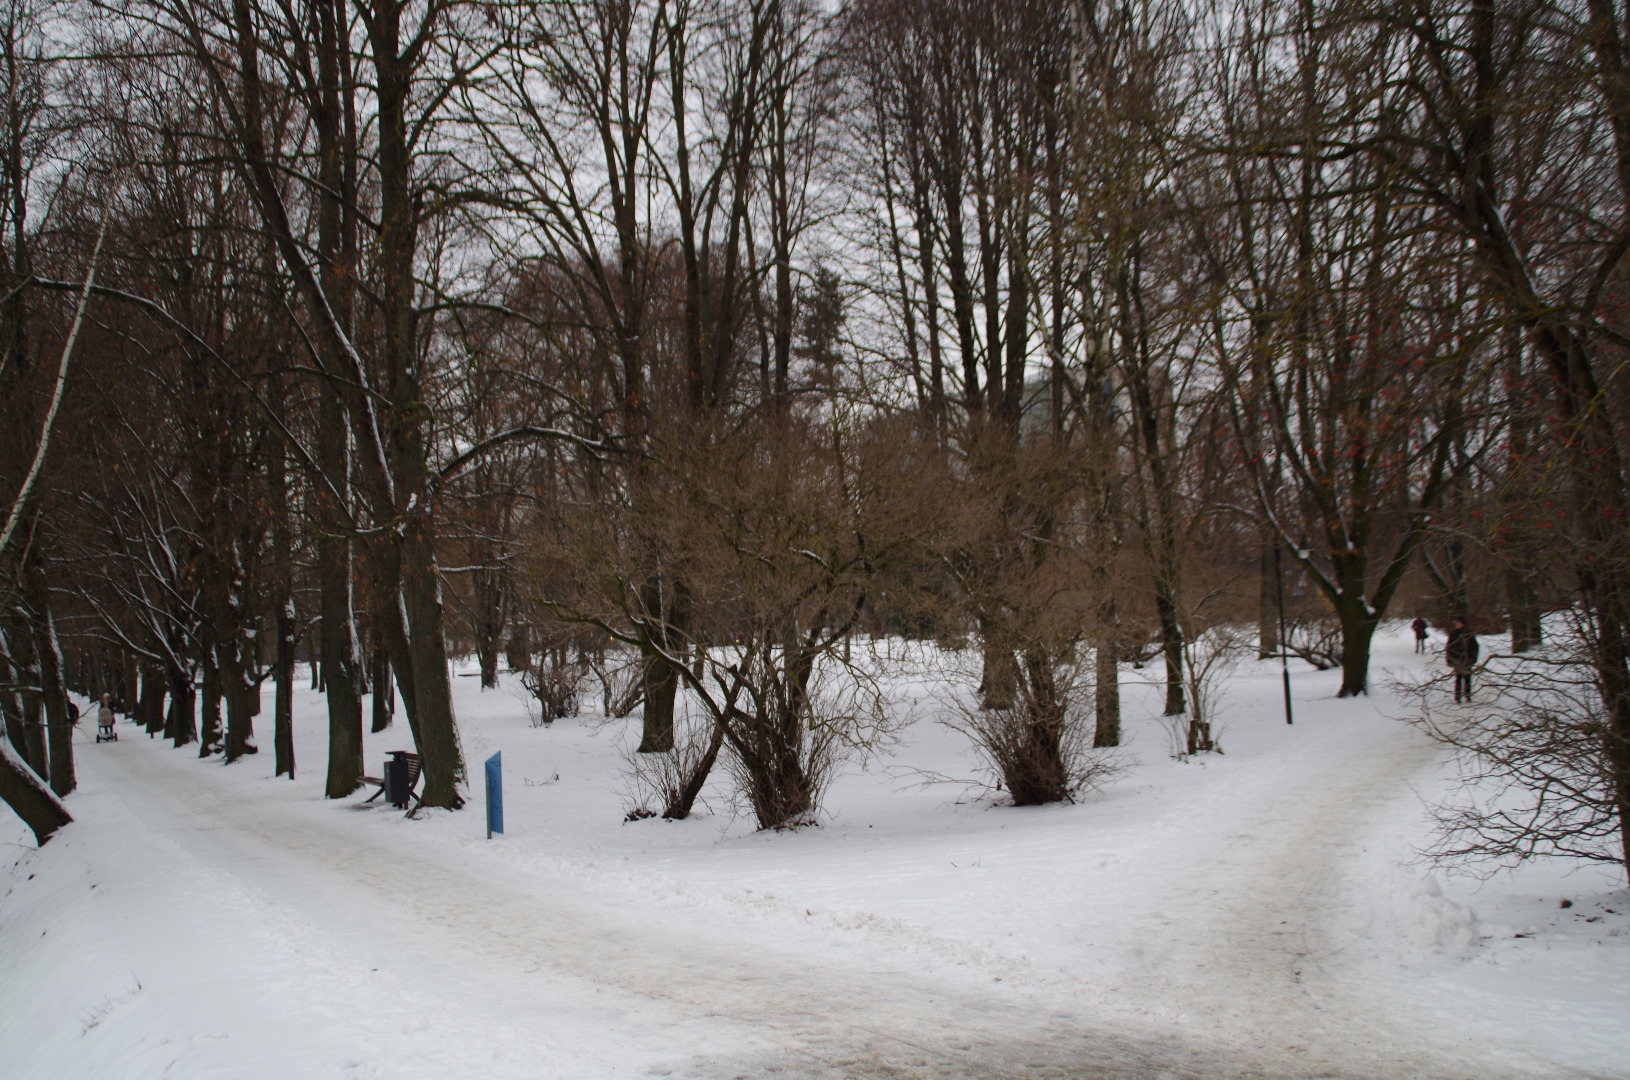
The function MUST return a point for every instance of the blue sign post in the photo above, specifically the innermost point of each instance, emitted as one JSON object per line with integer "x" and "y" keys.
{"x": 495, "y": 794}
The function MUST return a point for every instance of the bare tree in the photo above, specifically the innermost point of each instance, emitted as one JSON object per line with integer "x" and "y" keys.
{"x": 1347, "y": 387}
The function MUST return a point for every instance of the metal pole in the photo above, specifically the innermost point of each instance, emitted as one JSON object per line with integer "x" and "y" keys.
{"x": 1284, "y": 642}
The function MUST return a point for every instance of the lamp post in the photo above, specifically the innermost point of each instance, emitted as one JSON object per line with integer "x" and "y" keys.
{"x": 1303, "y": 550}
{"x": 1284, "y": 642}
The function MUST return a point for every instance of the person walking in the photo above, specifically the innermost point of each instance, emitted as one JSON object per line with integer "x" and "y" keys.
{"x": 1419, "y": 626}
{"x": 1461, "y": 653}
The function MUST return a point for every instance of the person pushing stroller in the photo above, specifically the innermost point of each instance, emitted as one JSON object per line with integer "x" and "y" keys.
{"x": 104, "y": 721}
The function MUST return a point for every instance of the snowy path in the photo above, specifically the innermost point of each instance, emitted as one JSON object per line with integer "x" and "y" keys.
{"x": 446, "y": 938}
{"x": 1246, "y": 915}
{"x": 1261, "y": 921}
{"x": 449, "y": 941}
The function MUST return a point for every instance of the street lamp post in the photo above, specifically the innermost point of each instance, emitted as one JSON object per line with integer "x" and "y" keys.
{"x": 1284, "y": 642}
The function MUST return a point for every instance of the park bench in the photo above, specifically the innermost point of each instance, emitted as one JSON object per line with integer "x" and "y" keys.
{"x": 401, "y": 777}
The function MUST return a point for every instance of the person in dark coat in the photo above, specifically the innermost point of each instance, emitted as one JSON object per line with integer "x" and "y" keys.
{"x": 1461, "y": 652}
{"x": 1419, "y": 626}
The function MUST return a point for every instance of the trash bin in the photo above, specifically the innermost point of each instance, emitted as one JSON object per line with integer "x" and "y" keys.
{"x": 396, "y": 783}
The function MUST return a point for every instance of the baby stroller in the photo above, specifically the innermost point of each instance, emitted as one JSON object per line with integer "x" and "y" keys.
{"x": 104, "y": 723}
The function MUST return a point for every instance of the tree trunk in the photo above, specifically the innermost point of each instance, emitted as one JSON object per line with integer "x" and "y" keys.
{"x": 277, "y": 483}
{"x": 1199, "y": 736}
{"x": 337, "y": 641}
{"x": 998, "y": 669}
{"x": 241, "y": 697}
{"x": 152, "y": 698}
{"x": 435, "y": 727}
{"x": 28, "y": 796}
{"x": 61, "y": 729}
{"x": 209, "y": 711}
{"x": 489, "y": 603}
{"x": 489, "y": 592}
{"x": 661, "y": 678}
{"x": 1357, "y": 633}
{"x": 1608, "y": 594}
{"x": 661, "y": 686}
{"x": 172, "y": 714}
{"x": 30, "y": 723}
{"x": 1171, "y": 646}
{"x": 182, "y": 724}
{"x": 519, "y": 653}
{"x": 384, "y": 700}
{"x": 486, "y": 648}
{"x": 10, "y": 703}
{"x": 1106, "y": 691}
{"x": 1267, "y": 610}
{"x": 344, "y": 729}
{"x": 391, "y": 619}
{"x": 1522, "y": 601}
{"x": 283, "y": 690}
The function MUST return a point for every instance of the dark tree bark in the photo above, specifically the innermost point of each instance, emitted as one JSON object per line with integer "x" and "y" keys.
{"x": 336, "y": 632}
{"x": 181, "y": 723}
{"x": 151, "y": 710}
{"x": 1267, "y": 604}
{"x": 242, "y": 696}
{"x": 54, "y": 696}
{"x": 1106, "y": 689}
{"x": 29, "y": 797}
{"x": 30, "y": 718}
{"x": 660, "y": 674}
{"x": 209, "y": 697}
{"x": 384, "y": 696}
{"x": 283, "y": 619}
{"x": 328, "y": 101}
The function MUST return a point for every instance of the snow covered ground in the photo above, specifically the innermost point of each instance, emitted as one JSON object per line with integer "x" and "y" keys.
{"x": 1255, "y": 913}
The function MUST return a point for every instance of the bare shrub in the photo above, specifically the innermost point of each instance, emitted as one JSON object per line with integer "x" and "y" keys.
{"x": 555, "y": 683}
{"x": 1534, "y": 761}
{"x": 739, "y": 572}
{"x": 1210, "y": 657}
{"x": 670, "y": 783}
{"x": 786, "y": 747}
{"x": 1039, "y": 747}
{"x": 622, "y": 685}
{"x": 1022, "y": 557}
{"x": 1317, "y": 640}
